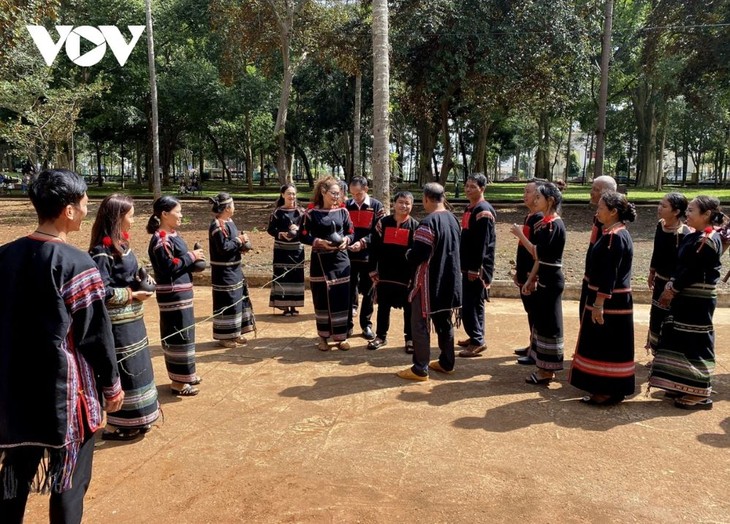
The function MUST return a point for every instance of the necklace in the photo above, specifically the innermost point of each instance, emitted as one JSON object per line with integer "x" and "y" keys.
{"x": 47, "y": 234}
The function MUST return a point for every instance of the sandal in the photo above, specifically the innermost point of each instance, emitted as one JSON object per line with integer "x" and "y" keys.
{"x": 121, "y": 434}
{"x": 534, "y": 378}
{"x": 685, "y": 403}
{"x": 322, "y": 344}
{"x": 286, "y": 313}
{"x": 409, "y": 347}
{"x": 377, "y": 343}
{"x": 197, "y": 380}
{"x": 186, "y": 391}
{"x": 602, "y": 400}
{"x": 293, "y": 312}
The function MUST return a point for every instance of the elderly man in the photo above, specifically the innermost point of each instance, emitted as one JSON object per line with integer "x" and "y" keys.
{"x": 600, "y": 185}
{"x": 436, "y": 294}
{"x": 51, "y": 374}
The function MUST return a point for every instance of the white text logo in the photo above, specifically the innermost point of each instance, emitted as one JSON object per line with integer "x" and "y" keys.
{"x": 100, "y": 37}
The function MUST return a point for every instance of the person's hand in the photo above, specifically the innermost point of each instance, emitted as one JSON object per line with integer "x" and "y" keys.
{"x": 357, "y": 246}
{"x": 515, "y": 230}
{"x": 344, "y": 244}
{"x": 244, "y": 238}
{"x": 199, "y": 254}
{"x": 650, "y": 280}
{"x": 282, "y": 236}
{"x": 141, "y": 295}
{"x": 471, "y": 276}
{"x": 597, "y": 315}
{"x": 528, "y": 287}
{"x": 375, "y": 278}
{"x": 115, "y": 403}
{"x": 666, "y": 298}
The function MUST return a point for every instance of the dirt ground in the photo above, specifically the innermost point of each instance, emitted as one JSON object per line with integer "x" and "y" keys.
{"x": 282, "y": 432}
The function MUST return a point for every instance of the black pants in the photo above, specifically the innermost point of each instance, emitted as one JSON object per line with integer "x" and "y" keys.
{"x": 361, "y": 283}
{"x": 472, "y": 309}
{"x": 64, "y": 508}
{"x": 444, "y": 328}
{"x": 384, "y": 321}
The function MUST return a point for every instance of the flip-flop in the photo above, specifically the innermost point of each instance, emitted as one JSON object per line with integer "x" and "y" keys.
{"x": 186, "y": 391}
{"x": 534, "y": 379}
{"x": 703, "y": 404}
{"x": 121, "y": 434}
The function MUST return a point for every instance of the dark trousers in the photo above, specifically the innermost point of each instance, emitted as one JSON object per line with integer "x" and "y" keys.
{"x": 361, "y": 283}
{"x": 444, "y": 328}
{"x": 64, "y": 508}
{"x": 472, "y": 309}
{"x": 384, "y": 321}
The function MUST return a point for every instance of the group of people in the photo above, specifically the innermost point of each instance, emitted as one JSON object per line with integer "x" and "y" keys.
{"x": 90, "y": 344}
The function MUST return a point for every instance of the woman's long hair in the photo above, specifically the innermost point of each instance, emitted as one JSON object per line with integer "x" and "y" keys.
{"x": 164, "y": 203}
{"x": 322, "y": 185}
{"x": 108, "y": 223}
{"x": 282, "y": 190}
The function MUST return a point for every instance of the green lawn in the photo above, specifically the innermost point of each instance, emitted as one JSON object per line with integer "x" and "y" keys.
{"x": 497, "y": 192}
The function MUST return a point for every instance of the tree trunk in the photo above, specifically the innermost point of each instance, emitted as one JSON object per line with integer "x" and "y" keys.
{"x": 426, "y": 142}
{"x": 662, "y": 144}
{"x": 286, "y": 29}
{"x": 646, "y": 120}
{"x": 542, "y": 157}
{"x": 138, "y": 161}
{"x": 219, "y": 154}
{"x": 381, "y": 102}
{"x": 480, "y": 151}
{"x": 567, "y": 152}
{"x": 154, "y": 125}
{"x": 464, "y": 160}
{"x": 248, "y": 152}
{"x": 99, "y": 177}
{"x": 448, "y": 162}
{"x": 307, "y": 170}
{"x": 356, "y": 169}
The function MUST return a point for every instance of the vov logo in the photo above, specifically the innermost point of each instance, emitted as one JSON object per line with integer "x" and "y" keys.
{"x": 100, "y": 37}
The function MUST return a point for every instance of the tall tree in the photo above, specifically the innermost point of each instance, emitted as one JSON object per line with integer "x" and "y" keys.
{"x": 381, "y": 101}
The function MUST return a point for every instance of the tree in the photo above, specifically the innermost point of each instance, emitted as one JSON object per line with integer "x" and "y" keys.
{"x": 381, "y": 102}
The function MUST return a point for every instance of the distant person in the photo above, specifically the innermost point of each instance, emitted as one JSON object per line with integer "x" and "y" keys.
{"x": 545, "y": 283}
{"x": 436, "y": 291}
{"x": 58, "y": 373}
{"x": 477, "y": 251}
{"x": 287, "y": 287}
{"x": 327, "y": 228}
{"x": 173, "y": 264}
{"x": 669, "y": 234}
{"x": 232, "y": 307}
{"x": 603, "y": 363}
{"x": 124, "y": 300}
{"x": 524, "y": 263}
{"x": 365, "y": 211}
{"x": 600, "y": 185}
{"x": 685, "y": 355}
{"x": 390, "y": 272}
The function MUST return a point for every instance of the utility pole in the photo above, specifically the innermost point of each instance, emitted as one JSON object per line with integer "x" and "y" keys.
{"x": 603, "y": 94}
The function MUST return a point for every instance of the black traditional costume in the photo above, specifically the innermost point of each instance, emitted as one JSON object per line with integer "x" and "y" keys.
{"x": 523, "y": 265}
{"x": 51, "y": 373}
{"x": 603, "y": 363}
{"x": 329, "y": 271}
{"x": 436, "y": 294}
{"x": 546, "y": 345}
{"x": 364, "y": 217}
{"x": 390, "y": 242}
{"x": 232, "y": 308}
{"x": 118, "y": 272}
{"x": 477, "y": 248}
{"x": 685, "y": 354}
{"x": 287, "y": 287}
{"x": 596, "y": 233}
{"x": 663, "y": 263}
{"x": 173, "y": 266}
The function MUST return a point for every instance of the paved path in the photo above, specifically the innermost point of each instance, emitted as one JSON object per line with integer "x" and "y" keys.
{"x": 282, "y": 432}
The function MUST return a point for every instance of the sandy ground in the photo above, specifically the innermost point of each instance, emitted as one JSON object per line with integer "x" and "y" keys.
{"x": 282, "y": 432}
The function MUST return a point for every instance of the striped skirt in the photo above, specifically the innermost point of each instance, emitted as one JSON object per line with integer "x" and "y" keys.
{"x": 657, "y": 313}
{"x": 232, "y": 308}
{"x": 329, "y": 280}
{"x": 140, "y": 406}
{"x": 603, "y": 363}
{"x": 546, "y": 344}
{"x": 177, "y": 329}
{"x": 287, "y": 288}
{"x": 685, "y": 356}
